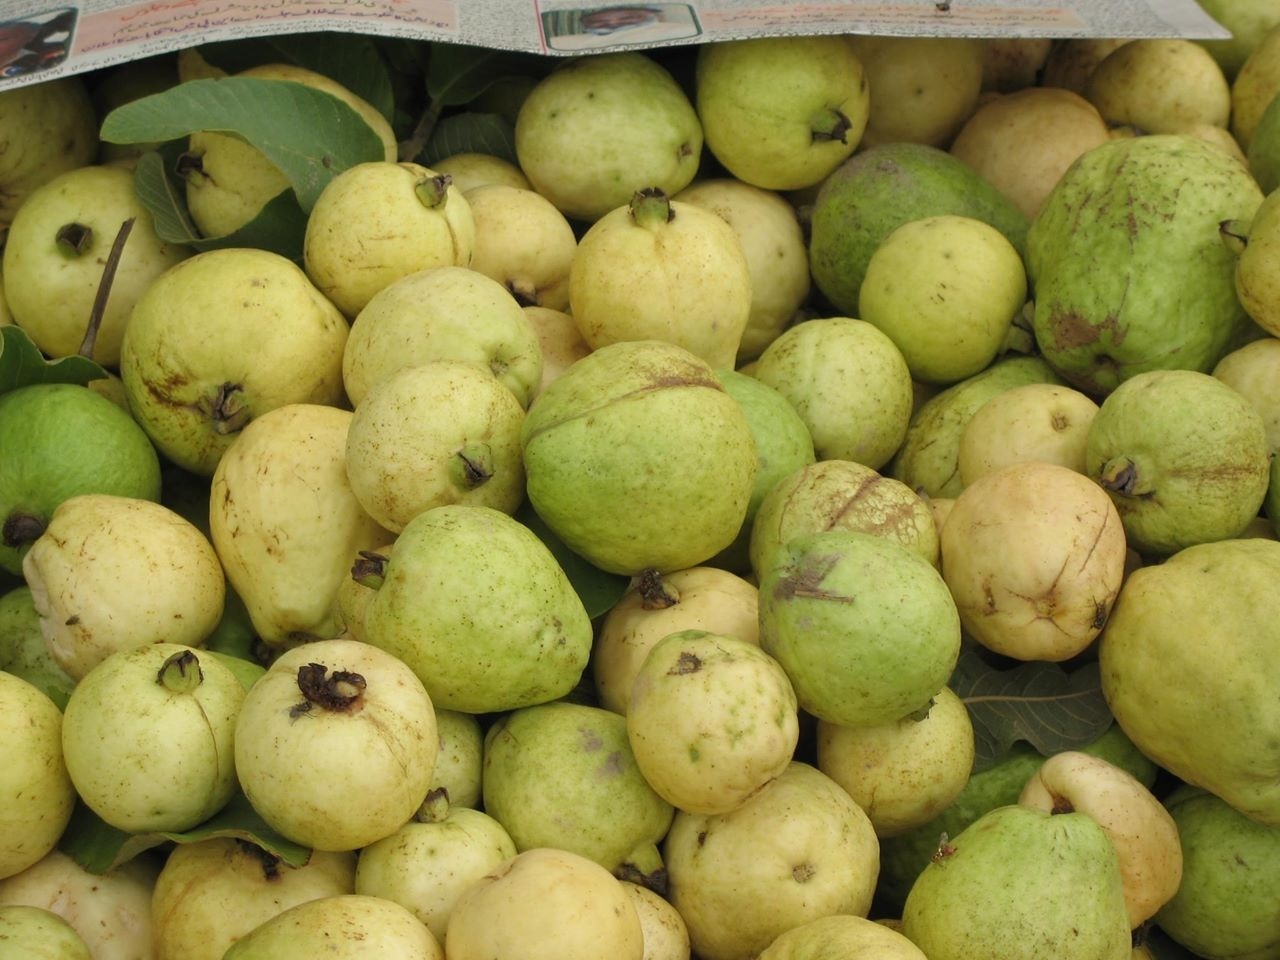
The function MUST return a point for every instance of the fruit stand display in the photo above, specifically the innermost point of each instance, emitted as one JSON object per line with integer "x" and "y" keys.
{"x": 773, "y": 497}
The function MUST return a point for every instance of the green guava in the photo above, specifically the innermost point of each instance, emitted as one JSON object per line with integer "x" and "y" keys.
{"x": 864, "y": 627}
{"x": 34, "y": 933}
{"x": 637, "y": 457}
{"x": 1226, "y": 907}
{"x": 1009, "y": 886}
{"x": 563, "y": 775}
{"x": 783, "y": 445}
{"x": 60, "y": 440}
{"x": 1127, "y": 269}
{"x": 477, "y": 606}
{"x": 1184, "y": 457}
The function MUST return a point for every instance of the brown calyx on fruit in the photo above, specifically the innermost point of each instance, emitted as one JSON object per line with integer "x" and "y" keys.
{"x": 339, "y": 692}
{"x": 21, "y": 529}
{"x": 655, "y": 592}
{"x": 73, "y": 238}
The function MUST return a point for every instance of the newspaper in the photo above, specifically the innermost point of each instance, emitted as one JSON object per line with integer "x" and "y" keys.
{"x": 42, "y": 39}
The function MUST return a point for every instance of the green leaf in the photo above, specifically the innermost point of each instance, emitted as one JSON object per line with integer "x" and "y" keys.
{"x": 470, "y": 133}
{"x": 280, "y": 225}
{"x": 310, "y": 135}
{"x": 351, "y": 60}
{"x": 457, "y": 74}
{"x": 1037, "y": 701}
{"x": 22, "y": 363}
{"x": 98, "y": 847}
{"x": 597, "y": 589}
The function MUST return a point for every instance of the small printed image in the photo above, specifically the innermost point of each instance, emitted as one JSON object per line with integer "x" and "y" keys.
{"x": 36, "y": 42}
{"x": 586, "y": 28}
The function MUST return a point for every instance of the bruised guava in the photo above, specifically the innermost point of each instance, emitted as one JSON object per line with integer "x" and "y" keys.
{"x": 1126, "y": 277}
{"x": 864, "y": 627}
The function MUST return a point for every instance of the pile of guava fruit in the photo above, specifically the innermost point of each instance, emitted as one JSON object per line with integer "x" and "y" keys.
{"x": 792, "y": 498}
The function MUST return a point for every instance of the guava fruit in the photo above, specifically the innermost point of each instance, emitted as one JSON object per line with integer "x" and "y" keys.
{"x": 477, "y": 606}
{"x": 1024, "y": 140}
{"x": 849, "y": 383}
{"x": 56, "y": 126}
{"x": 1256, "y": 84}
{"x": 598, "y": 128}
{"x": 133, "y": 780}
{"x": 545, "y": 904}
{"x": 212, "y": 892}
{"x": 22, "y": 648}
{"x": 443, "y": 313}
{"x": 430, "y": 862}
{"x": 864, "y": 627}
{"x": 38, "y": 934}
{"x": 658, "y": 269}
{"x": 989, "y": 786}
{"x": 945, "y": 289}
{"x": 1226, "y": 907}
{"x": 378, "y": 221}
{"x": 1127, "y": 273}
{"x": 774, "y": 244}
{"x": 345, "y": 927}
{"x": 1140, "y": 828}
{"x": 1263, "y": 156}
{"x": 928, "y": 459}
{"x": 228, "y": 181}
{"x": 111, "y": 573}
{"x": 193, "y": 383}
{"x": 1047, "y": 422}
{"x": 655, "y": 605}
{"x": 922, "y": 88}
{"x": 1257, "y": 267}
{"x": 781, "y": 112}
{"x": 563, "y": 775}
{"x": 783, "y": 446}
{"x": 285, "y": 521}
{"x": 841, "y": 495}
{"x": 905, "y": 772}
{"x": 460, "y": 758}
{"x": 666, "y": 936}
{"x": 1034, "y": 555}
{"x": 55, "y": 256}
{"x": 1248, "y": 21}
{"x": 1010, "y": 886}
{"x": 852, "y": 936}
{"x": 39, "y": 795}
{"x": 878, "y": 189}
{"x": 1212, "y": 603}
{"x": 111, "y": 911}
{"x": 632, "y": 442}
{"x": 1160, "y": 85}
{"x": 710, "y": 721}
{"x": 335, "y": 745}
{"x": 522, "y": 242}
{"x": 61, "y": 440}
{"x": 1183, "y": 456}
{"x": 798, "y": 849}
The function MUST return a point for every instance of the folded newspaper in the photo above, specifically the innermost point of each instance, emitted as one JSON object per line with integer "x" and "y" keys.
{"x": 41, "y": 40}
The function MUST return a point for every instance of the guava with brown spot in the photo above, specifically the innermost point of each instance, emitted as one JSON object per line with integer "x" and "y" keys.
{"x": 1184, "y": 457}
{"x": 866, "y": 629}
{"x": 1125, "y": 277}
